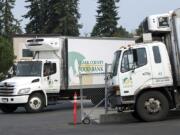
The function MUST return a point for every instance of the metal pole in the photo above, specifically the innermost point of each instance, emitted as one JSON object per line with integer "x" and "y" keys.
{"x": 81, "y": 96}
{"x": 106, "y": 108}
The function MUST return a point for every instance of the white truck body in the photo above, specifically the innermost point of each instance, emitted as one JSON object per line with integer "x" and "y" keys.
{"x": 92, "y": 60}
{"x": 54, "y": 70}
{"x": 165, "y": 28}
{"x": 146, "y": 77}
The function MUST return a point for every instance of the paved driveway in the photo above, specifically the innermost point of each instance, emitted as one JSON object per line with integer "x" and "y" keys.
{"x": 57, "y": 120}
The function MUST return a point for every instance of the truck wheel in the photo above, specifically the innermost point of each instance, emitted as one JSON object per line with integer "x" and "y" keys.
{"x": 135, "y": 115}
{"x": 8, "y": 108}
{"x": 152, "y": 106}
{"x": 86, "y": 120}
{"x": 35, "y": 103}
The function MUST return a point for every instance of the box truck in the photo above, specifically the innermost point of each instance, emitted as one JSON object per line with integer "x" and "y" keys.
{"x": 146, "y": 77}
{"x": 53, "y": 73}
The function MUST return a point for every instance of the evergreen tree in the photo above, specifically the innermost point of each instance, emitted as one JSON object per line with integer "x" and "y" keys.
{"x": 38, "y": 16}
{"x": 8, "y": 25}
{"x": 6, "y": 54}
{"x": 53, "y": 17}
{"x": 1, "y": 17}
{"x": 139, "y": 31}
{"x": 63, "y": 17}
{"x": 123, "y": 33}
{"x": 107, "y": 18}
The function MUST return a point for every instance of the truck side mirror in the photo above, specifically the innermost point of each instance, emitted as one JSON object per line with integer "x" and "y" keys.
{"x": 14, "y": 69}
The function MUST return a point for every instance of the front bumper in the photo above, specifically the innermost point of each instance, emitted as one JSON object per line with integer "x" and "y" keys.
{"x": 14, "y": 99}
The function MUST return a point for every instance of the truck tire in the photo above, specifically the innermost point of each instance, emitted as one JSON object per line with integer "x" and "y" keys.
{"x": 8, "y": 108}
{"x": 152, "y": 106}
{"x": 35, "y": 103}
{"x": 135, "y": 115}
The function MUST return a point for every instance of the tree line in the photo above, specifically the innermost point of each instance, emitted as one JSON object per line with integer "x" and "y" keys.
{"x": 60, "y": 17}
{"x": 54, "y": 17}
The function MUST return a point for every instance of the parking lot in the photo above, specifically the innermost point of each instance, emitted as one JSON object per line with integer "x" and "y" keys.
{"x": 58, "y": 120}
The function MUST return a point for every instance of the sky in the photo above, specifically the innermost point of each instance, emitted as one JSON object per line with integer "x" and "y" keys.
{"x": 131, "y": 12}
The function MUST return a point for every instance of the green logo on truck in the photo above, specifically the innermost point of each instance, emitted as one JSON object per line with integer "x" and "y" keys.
{"x": 74, "y": 59}
{"x": 127, "y": 82}
{"x": 78, "y": 63}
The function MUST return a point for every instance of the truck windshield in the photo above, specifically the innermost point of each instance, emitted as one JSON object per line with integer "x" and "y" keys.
{"x": 29, "y": 68}
{"x": 115, "y": 63}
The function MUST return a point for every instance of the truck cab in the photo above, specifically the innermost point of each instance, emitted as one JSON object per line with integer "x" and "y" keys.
{"x": 44, "y": 71}
{"x": 146, "y": 77}
{"x": 138, "y": 70}
{"x": 33, "y": 80}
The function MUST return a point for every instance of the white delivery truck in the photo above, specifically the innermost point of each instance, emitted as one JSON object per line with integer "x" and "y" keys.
{"x": 53, "y": 73}
{"x": 146, "y": 77}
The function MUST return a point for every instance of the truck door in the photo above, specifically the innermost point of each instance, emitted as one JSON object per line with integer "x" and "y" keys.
{"x": 135, "y": 76}
{"x": 51, "y": 77}
{"x": 157, "y": 66}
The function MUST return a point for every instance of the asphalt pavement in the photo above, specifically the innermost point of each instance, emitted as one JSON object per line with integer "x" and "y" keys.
{"x": 58, "y": 120}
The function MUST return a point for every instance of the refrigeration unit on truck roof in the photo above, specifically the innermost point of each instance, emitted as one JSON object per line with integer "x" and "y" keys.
{"x": 158, "y": 22}
{"x": 43, "y": 44}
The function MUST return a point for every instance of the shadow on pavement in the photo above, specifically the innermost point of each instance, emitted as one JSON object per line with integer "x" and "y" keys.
{"x": 60, "y": 106}
{"x": 67, "y": 106}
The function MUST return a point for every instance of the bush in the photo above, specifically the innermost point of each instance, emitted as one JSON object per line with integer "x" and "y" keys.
{"x": 2, "y": 76}
{"x": 6, "y": 56}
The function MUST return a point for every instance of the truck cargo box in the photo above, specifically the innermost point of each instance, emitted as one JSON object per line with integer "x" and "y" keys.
{"x": 89, "y": 55}
{"x": 77, "y": 55}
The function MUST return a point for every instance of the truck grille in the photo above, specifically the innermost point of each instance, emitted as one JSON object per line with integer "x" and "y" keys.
{"x": 6, "y": 89}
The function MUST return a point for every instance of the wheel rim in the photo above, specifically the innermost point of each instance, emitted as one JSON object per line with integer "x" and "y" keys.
{"x": 152, "y": 105}
{"x": 86, "y": 120}
{"x": 35, "y": 103}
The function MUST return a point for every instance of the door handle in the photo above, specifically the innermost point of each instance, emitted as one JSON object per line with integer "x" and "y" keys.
{"x": 146, "y": 73}
{"x": 55, "y": 80}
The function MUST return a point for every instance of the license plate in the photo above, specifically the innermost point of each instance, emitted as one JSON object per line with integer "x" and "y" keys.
{"x": 4, "y": 100}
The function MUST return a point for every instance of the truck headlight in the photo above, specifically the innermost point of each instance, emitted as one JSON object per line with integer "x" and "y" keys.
{"x": 24, "y": 91}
